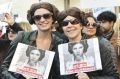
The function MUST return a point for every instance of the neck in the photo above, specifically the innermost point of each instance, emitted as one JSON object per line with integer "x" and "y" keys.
{"x": 44, "y": 35}
{"x": 109, "y": 31}
{"x": 91, "y": 36}
{"x": 43, "y": 40}
{"x": 77, "y": 39}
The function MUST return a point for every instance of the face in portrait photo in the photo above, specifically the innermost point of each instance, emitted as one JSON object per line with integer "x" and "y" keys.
{"x": 34, "y": 56}
{"x": 78, "y": 50}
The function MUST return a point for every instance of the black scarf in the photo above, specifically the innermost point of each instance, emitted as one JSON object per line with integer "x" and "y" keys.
{"x": 108, "y": 35}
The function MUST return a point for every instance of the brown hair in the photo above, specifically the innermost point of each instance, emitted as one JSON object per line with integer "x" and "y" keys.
{"x": 45, "y": 5}
{"x": 83, "y": 42}
{"x": 25, "y": 26}
{"x": 98, "y": 27}
{"x": 30, "y": 48}
{"x": 75, "y": 12}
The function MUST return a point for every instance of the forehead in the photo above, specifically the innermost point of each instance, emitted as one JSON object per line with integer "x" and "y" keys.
{"x": 78, "y": 45}
{"x": 35, "y": 51}
{"x": 91, "y": 20}
{"x": 69, "y": 18}
{"x": 41, "y": 11}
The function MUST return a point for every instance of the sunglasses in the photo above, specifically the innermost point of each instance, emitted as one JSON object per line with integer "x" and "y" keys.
{"x": 73, "y": 22}
{"x": 93, "y": 25}
{"x": 11, "y": 31}
{"x": 45, "y": 16}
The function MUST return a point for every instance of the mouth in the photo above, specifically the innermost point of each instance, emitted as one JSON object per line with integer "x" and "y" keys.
{"x": 71, "y": 30}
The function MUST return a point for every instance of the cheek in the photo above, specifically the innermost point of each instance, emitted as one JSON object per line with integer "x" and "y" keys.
{"x": 94, "y": 30}
{"x": 64, "y": 29}
{"x": 105, "y": 25}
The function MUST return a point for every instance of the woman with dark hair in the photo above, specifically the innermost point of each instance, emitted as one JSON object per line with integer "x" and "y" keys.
{"x": 78, "y": 50}
{"x": 43, "y": 15}
{"x": 92, "y": 28}
{"x": 71, "y": 23}
{"x": 34, "y": 56}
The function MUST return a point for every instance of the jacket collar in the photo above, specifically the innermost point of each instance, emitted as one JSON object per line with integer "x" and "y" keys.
{"x": 33, "y": 36}
{"x": 109, "y": 35}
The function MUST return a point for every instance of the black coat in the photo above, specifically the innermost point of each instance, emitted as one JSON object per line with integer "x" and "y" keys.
{"x": 27, "y": 38}
{"x": 108, "y": 59}
{"x": 5, "y": 42}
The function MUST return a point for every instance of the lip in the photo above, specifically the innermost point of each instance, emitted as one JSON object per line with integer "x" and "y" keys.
{"x": 90, "y": 30}
{"x": 71, "y": 30}
{"x": 43, "y": 24}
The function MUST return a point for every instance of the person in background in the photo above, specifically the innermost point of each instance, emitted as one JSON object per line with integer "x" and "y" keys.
{"x": 92, "y": 28}
{"x": 12, "y": 28}
{"x": 71, "y": 21}
{"x": 25, "y": 26}
{"x": 11, "y": 33}
{"x": 1, "y": 31}
{"x": 34, "y": 57}
{"x": 107, "y": 20}
{"x": 43, "y": 15}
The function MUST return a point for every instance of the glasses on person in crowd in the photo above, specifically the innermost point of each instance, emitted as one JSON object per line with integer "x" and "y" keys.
{"x": 10, "y": 30}
{"x": 94, "y": 25}
{"x": 73, "y": 22}
{"x": 45, "y": 16}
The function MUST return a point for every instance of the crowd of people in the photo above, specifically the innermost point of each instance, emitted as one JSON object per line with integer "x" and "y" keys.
{"x": 73, "y": 25}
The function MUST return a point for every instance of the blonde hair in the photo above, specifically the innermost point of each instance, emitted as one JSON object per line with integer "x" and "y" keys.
{"x": 25, "y": 26}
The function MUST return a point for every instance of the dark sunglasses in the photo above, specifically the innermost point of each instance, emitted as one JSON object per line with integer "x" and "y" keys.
{"x": 93, "y": 25}
{"x": 11, "y": 31}
{"x": 73, "y": 22}
{"x": 45, "y": 16}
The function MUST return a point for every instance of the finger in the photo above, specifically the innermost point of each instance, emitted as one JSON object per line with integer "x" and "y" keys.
{"x": 78, "y": 73}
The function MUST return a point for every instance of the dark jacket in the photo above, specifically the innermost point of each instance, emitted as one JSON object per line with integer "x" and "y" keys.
{"x": 108, "y": 59}
{"x": 5, "y": 42}
{"x": 113, "y": 39}
{"x": 15, "y": 27}
{"x": 27, "y": 38}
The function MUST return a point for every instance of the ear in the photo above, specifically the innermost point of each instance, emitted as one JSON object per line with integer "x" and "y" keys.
{"x": 81, "y": 27}
{"x": 112, "y": 23}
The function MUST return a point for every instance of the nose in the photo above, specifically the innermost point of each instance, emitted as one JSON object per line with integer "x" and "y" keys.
{"x": 42, "y": 19}
{"x": 69, "y": 24}
{"x": 90, "y": 26}
{"x": 10, "y": 32}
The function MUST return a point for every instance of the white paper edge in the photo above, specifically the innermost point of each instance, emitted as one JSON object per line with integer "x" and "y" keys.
{"x": 97, "y": 54}
{"x": 49, "y": 64}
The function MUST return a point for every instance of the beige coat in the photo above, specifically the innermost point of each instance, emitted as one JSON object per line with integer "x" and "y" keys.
{"x": 113, "y": 41}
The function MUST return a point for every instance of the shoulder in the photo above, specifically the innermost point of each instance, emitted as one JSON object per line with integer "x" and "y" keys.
{"x": 58, "y": 38}
{"x": 22, "y": 36}
{"x": 104, "y": 42}
{"x": 106, "y": 48}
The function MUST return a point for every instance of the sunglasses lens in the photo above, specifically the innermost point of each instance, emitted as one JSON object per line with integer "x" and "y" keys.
{"x": 37, "y": 17}
{"x": 11, "y": 31}
{"x": 47, "y": 16}
{"x": 93, "y": 25}
{"x": 65, "y": 23}
{"x": 75, "y": 22}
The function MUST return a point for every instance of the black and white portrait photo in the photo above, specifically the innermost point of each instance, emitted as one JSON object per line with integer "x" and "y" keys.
{"x": 78, "y": 56}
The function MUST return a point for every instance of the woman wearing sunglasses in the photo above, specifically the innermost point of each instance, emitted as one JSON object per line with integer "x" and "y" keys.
{"x": 92, "y": 28}
{"x": 43, "y": 15}
{"x": 71, "y": 23}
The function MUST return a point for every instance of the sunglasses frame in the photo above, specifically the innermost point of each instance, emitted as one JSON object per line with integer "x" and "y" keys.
{"x": 94, "y": 25}
{"x": 45, "y": 16}
{"x": 73, "y": 22}
{"x": 11, "y": 31}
